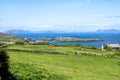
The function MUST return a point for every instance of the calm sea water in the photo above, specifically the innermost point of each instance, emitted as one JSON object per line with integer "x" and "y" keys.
{"x": 107, "y": 37}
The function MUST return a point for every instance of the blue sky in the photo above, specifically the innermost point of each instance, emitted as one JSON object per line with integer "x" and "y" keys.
{"x": 59, "y": 15}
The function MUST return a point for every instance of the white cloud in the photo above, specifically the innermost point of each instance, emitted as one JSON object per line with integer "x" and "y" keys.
{"x": 66, "y": 28}
{"x": 114, "y": 26}
{"x": 112, "y": 17}
{"x": 98, "y": 15}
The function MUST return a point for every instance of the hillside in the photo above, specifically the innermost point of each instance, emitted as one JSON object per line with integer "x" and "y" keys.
{"x": 47, "y": 66}
{"x": 9, "y": 38}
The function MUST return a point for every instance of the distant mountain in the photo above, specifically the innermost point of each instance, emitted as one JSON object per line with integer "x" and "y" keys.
{"x": 28, "y": 31}
{"x": 108, "y": 31}
{"x": 14, "y": 32}
{"x": 18, "y": 31}
{"x": 51, "y": 32}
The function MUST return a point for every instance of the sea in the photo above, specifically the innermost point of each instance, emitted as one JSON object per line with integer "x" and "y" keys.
{"x": 108, "y": 38}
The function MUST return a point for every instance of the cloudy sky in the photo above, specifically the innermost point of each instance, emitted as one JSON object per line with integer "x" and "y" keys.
{"x": 59, "y": 15}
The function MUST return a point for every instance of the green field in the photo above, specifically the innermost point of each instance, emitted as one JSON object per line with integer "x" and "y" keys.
{"x": 45, "y": 66}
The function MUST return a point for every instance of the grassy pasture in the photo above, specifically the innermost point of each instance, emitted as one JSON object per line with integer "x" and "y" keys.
{"x": 69, "y": 50}
{"x": 35, "y": 66}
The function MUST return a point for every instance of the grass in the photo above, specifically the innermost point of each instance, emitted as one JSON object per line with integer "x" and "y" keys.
{"x": 69, "y": 50}
{"x": 33, "y": 72}
{"x": 31, "y": 66}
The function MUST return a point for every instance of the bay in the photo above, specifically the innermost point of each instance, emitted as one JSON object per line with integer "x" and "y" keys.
{"x": 110, "y": 38}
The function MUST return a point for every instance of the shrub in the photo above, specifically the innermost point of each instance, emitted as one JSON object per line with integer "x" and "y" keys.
{"x": 4, "y": 67}
{"x": 107, "y": 48}
{"x": 20, "y": 43}
{"x": 43, "y": 43}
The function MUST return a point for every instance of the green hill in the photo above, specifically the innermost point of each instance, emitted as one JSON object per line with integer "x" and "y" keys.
{"x": 92, "y": 64}
{"x": 9, "y": 38}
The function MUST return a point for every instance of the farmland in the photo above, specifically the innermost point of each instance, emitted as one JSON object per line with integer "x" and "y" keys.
{"x": 68, "y": 66}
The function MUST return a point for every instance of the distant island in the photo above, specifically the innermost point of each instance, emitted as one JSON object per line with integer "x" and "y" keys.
{"x": 10, "y": 38}
{"x": 70, "y": 39}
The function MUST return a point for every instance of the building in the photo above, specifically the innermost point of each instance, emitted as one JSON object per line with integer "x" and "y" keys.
{"x": 113, "y": 46}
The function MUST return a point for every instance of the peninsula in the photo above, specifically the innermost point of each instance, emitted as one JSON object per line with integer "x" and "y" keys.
{"x": 70, "y": 39}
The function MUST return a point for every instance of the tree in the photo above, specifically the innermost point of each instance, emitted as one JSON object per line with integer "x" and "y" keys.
{"x": 4, "y": 66}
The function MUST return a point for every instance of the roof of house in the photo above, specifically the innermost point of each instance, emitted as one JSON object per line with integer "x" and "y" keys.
{"x": 114, "y": 45}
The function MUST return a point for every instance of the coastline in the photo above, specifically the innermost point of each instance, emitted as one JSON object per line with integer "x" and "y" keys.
{"x": 70, "y": 39}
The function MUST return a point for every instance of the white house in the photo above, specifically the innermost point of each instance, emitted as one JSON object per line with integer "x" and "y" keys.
{"x": 113, "y": 46}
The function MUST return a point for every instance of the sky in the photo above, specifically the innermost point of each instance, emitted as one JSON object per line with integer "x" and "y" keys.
{"x": 59, "y": 15}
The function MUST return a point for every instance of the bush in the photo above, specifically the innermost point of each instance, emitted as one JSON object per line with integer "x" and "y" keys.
{"x": 4, "y": 67}
{"x": 107, "y": 48}
{"x": 67, "y": 45}
{"x": 43, "y": 43}
{"x": 20, "y": 43}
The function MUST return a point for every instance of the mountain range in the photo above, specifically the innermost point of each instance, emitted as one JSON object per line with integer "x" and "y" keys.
{"x": 28, "y": 31}
{"x": 108, "y": 31}
{"x": 18, "y": 31}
